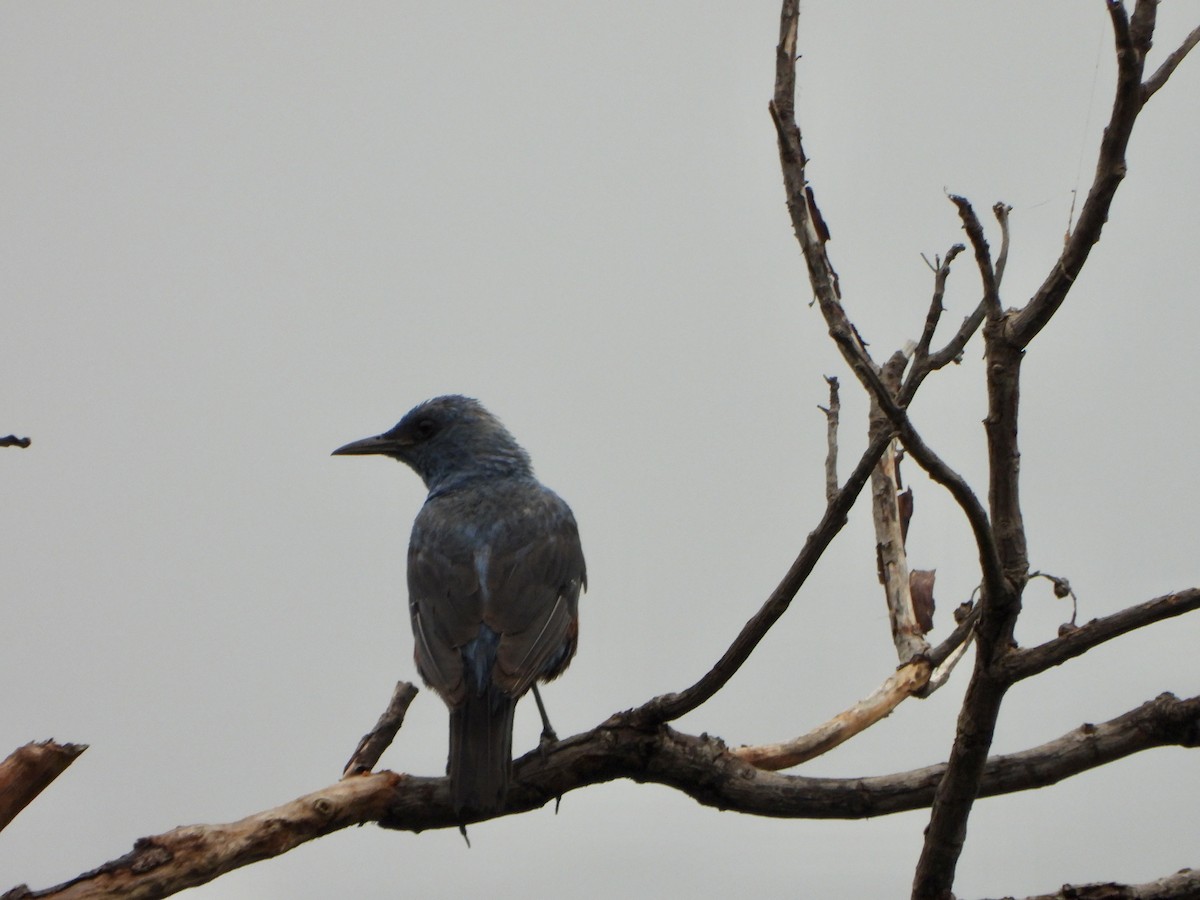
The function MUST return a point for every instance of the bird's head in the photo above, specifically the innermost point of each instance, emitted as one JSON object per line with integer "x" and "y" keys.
{"x": 446, "y": 440}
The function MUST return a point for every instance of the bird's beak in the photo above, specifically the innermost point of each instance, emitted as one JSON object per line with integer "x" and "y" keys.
{"x": 380, "y": 444}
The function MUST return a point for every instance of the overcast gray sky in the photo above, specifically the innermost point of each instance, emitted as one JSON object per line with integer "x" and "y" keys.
{"x": 235, "y": 236}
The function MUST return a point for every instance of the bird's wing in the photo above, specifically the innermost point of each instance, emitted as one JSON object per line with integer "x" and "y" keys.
{"x": 532, "y": 600}
{"x": 446, "y": 609}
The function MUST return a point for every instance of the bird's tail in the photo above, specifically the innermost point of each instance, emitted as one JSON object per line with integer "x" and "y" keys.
{"x": 481, "y": 750}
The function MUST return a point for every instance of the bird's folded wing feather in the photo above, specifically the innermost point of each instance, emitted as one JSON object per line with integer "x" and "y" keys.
{"x": 446, "y": 609}
{"x": 533, "y": 602}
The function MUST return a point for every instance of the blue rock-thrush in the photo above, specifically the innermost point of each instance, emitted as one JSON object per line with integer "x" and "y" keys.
{"x": 494, "y": 574}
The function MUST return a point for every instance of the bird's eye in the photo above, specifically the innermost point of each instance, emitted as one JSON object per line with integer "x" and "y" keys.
{"x": 425, "y": 429}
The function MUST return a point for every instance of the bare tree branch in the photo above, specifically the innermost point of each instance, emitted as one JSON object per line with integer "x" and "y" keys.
{"x": 832, "y": 417}
{"x": 701, "y": 767}
{"x": 28, "y": 771}
{"x": 1131, "y": 47}
{"x": 379, "y": 738}
{"x": 1034, "y": 660}
{"x": 185, "y": 857}
{"x": 939, "y": 471}
{"x": 1183, "y": 885}
{"x": 1160, "y": 76}
{"x": 891, "y": 553}
{"x": 925, "y": 362}
{"x": 912, "y": 679}
{"x": 12, "y": 440}
{"x": 1006, "y": 337}
{"x": 668, "y": 707}
{"x": 983, "y": 254}
{"x": 941, "y": 272}
{"x": 905, "y": 682}
{"x": 801, "y": 201}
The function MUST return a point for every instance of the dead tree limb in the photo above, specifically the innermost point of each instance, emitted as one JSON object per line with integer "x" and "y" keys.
{"x": 379, "y": 738}
{"x": 700, "y": 767}
{"x": 1183, "y": 885}
{"x": 28, "y": 771}
{"x": 1034, "y": 660}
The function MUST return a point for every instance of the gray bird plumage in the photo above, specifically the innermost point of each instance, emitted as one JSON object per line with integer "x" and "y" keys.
{"x": 495, "y": 569}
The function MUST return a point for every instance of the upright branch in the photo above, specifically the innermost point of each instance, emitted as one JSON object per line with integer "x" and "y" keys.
{"x": 941, "y": 272}
{"x": 1004, "y": 568}
{"x": 832, "y": 418}
{"x": 908, "y": 635}
{"x": 807, "y": 222}
{"x": 1006, "y": 336}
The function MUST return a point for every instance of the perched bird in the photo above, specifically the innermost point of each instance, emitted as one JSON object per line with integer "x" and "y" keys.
{"x": 495, "y": 568}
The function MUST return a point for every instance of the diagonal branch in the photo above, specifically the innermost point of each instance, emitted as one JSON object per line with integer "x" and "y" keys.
{"x": 941, "y": 272}
{"x": 905, "y": 682}
{"x": 28, "y": 771}
{"x": 668, "y": 707}
{"x": 380, "y": 737}
{"x": 1034, "y": 660}
{"x": 1163, "y": 72}
{"x": 1132, "y": 44}
{"x": 912, "y": 679}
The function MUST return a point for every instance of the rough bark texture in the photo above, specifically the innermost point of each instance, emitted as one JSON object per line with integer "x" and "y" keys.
{"x": 28, "y": 771}
{"x": 699, "y": 766}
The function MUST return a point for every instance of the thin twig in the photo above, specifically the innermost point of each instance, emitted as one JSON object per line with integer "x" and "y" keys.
{"x": 941, "y": 272}
{"x": 832, "y": 414}
{"x": 379, "y": 738}
{"x": 1163, "y": 72}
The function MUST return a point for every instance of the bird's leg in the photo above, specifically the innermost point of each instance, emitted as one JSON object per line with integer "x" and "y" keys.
{"x": 548, "y": 735}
